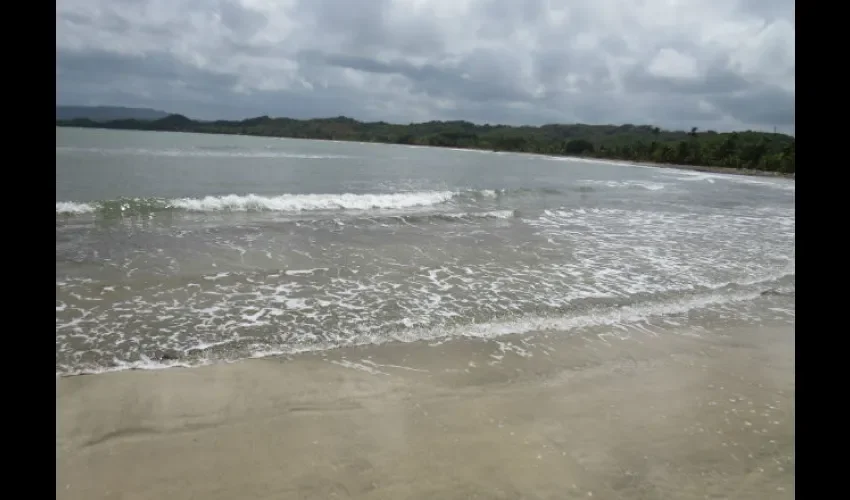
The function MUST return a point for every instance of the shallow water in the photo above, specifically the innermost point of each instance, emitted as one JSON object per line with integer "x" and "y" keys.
{"x": 208, "y": 248}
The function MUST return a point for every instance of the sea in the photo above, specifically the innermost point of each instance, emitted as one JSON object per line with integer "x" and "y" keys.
{"x": 177, "y": 249}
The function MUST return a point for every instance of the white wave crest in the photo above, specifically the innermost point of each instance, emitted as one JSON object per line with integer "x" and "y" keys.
{"x": 494, "y": 214}
{"x": 304, "y": 202}
{"x": 286, "y": 202}
{"x": 70, "y": 207}
{"x": 651, "y": 186}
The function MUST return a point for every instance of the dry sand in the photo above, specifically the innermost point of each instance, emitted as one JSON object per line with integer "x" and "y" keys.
{"x": 546, "y": 416}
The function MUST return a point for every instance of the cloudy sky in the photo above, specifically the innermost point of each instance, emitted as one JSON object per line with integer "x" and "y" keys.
{"x": 719, "y": 64}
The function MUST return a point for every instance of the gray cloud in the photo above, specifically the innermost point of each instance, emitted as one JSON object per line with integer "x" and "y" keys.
{"x": 677, "y": 64}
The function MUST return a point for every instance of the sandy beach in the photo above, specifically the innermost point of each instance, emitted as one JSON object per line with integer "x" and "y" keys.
{"x": 747, "y": 172}
{"x": 542, "y": 416}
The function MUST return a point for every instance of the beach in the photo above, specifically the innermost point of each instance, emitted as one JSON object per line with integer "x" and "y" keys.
{"x": 544, "y": 415}
{"x": 249, "y": 318}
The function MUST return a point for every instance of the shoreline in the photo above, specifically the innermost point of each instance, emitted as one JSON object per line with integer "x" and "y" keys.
{"x": 546, "y": 415}
{"x": 713, "y": 170}
{"x": 695, "y": 168}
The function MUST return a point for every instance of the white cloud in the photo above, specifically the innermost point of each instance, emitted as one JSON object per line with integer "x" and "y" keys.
{"x": 672, "y": 63}
{"x": 669, "y": 63}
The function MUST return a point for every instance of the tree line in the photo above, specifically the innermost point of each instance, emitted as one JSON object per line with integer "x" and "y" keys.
{"x": 750, "y": 150}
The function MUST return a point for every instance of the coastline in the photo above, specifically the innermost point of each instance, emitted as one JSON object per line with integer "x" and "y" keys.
{"x": 710, "y": 170}
{"x": 695, "y": 168}
{"x": 546, "y": 415}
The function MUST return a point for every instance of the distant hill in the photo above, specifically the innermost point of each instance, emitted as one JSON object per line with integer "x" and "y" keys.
{"x": 107, "y": 113}
{"x": 748, "y": 150}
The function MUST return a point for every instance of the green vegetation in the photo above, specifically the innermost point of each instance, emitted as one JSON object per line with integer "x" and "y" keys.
{"x": 639, "y": 143}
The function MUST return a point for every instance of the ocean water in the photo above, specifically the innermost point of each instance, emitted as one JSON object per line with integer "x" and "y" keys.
{"x": 184, "y": 249}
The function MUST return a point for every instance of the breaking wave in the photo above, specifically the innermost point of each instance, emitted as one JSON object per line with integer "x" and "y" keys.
{"x": 287, "y": 202}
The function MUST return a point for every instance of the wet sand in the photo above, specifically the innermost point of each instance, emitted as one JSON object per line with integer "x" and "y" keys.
{"x": 541, "y": 416}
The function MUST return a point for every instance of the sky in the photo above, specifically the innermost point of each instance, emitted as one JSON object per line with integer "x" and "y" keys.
{"x": 716, "y": 65}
